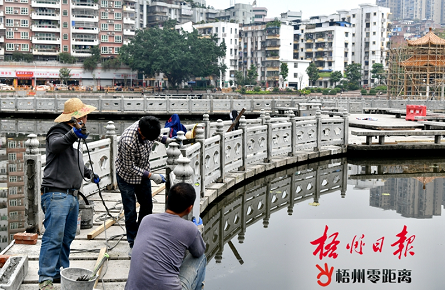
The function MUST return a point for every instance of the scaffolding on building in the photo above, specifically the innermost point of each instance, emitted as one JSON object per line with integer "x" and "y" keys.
{"x": 417, "y": 71}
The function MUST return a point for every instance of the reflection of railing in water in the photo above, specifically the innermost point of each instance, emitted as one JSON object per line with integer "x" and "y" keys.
{"x": 257, "y": 200}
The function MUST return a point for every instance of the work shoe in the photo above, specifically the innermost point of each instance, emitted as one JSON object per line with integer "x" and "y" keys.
{"x": 46, "y": 285}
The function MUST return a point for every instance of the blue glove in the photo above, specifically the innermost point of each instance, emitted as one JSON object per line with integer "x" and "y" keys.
{"x": 157, "y": 178}
{"x": 96, "y": 178}
{"x": 79, "y": 133}
{"x": 198, "y": 223}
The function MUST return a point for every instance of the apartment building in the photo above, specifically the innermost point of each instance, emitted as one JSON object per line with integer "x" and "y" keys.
{"x": 239, "y": 13}
{"x": 260, "y": 14}
{"x": 326, "y": 41}
{"x": 370, "y": 38}
{"x": 45, "y": 28}
{"x": 418, "y": 9}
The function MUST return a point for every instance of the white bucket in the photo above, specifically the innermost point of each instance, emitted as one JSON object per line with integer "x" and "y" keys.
{"x": 69, "y": 277}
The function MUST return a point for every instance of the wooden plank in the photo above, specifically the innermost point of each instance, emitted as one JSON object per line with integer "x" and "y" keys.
{"x": 101, "y": 254}
{"x": 94, "y": 233}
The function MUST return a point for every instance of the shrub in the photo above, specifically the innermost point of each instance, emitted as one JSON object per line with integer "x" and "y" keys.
{"x": 363, "y": 91}
{"x": 243, "y": 90}
{"x": 318, "y": 90}
{"x": 257, "y": 89}
{"x": 372, "y": 91}
{"x": 325, "y": 91}
{"x": 275, "y": 89}
{"x": 288, "y": 90}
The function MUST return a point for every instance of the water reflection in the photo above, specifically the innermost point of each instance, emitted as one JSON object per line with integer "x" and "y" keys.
{"x": 242, "y": 238}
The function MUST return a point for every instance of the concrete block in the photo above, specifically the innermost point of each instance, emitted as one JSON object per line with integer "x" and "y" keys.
{"x": 230, "y": 181}
{"x": 250, "y": 172}
{"x": 291, "y": 160}
{"x": 313, "y": 155}
{"x": 218, "y": 187}
{"x": 324, "y": 153}
{"x": 259, "y": 169}
{"x": 280, "y": 162}
{"x": 13, "y": 272}
{"x": 238, "y": 175}
{"x": 269, "y": 166}
{"x": 302, "y": 156}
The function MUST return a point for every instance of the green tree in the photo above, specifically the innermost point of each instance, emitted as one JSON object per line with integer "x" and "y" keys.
{"x": 64, "y": 74}
{"x": 312, "y": 72}
{"x": 112, "y": 63}
{"x": 353, "y": 73}
{"x": 378, "y": 72}
{"x": 252, "y": 75}
{"x": 90, "y": 63}
{"x": 178, "y": 55}
{"x": 20, "y": 56}
{"x": 65, "y": 57}
{"x": 335, "y": 77}
{"x": 284, "y": 70}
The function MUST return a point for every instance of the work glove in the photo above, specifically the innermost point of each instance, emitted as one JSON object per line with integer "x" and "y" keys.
{"x": 169, "y": 140}
{"x": 197, "y": 222}
{"x": 79, "y": 133}
{"x": 96, "y": 178}
{"x": 157, "y": 178}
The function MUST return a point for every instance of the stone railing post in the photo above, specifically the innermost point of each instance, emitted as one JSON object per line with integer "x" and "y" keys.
{"x": 269, "y": 137}
{"x": 173, "y": 153}
{"x": 32, "y": 178}
{"x": 184, "y": 173}
{"x": 293, "y": 133}
{"x": 345, "y": 128}
{"x": 344, "y": 185}
{"x": 262, "y": 116}
{"x": 111, "y": 134}
{"x": 200, "y": 137}
{"x": 206, "y": 121}
{"x": 222, "y": 148}
{"x": 243, "y": 126}
{"x": 180, "y": 137}
{"x": 318, "y": 119}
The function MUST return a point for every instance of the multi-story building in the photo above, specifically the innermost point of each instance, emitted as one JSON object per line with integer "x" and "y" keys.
{"x": 44, "y": 28}
{"x": 239, "y": 13}
{"x": 370, "y": 38}
{"x": 419, "y": 9}
{"x": 260, "y": 14}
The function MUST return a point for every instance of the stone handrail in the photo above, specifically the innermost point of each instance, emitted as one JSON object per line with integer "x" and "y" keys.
{"x": 209, "y": 159}
{"x": 207, "y": 103}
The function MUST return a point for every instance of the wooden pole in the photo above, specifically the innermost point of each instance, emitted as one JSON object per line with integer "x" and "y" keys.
{"x": 236, "y": 120}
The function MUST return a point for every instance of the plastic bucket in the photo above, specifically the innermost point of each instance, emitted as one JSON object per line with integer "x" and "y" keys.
{"x": 69, "y": 277}
{"x": 87, "y": 215}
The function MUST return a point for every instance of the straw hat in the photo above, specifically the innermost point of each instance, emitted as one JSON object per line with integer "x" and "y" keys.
{"x": 74, "y": 108}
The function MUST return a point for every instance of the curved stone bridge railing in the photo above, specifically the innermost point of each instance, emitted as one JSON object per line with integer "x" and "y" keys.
{"x": 214, "y": 154}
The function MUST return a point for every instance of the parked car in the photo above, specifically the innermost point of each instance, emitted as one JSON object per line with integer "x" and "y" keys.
{"x": 5, "y": 87}
{"x": 61, "y": 87}
{"x": 43, "y": 88}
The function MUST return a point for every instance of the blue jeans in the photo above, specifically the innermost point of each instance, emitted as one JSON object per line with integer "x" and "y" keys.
{"x": 129, "y": 193}
{"x": 61, "y": 212}
{"x": 192, "y": 272}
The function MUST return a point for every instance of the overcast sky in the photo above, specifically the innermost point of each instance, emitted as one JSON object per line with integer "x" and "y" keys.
{"x": 308, "y": 7}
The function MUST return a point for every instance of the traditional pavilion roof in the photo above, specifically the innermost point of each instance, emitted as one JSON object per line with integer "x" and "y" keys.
{"x": 429, "y": 38}
{"x": 424, "y": 60}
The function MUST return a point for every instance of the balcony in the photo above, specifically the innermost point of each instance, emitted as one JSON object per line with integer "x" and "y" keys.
{"x": 81, "y": 52}
{"x": 36, "y": 40}
{"x": 90, "y": 29}
{"x": 84, "y": 41}
{"x": 45, "y": 3}
{"x": 2, "y": 13}
{"x": 309, "y": 40}
{"x": 85, "y": 5}
{"x": 2, "y": 26}
{"x": 45, "y": 51}
{"x": 128, "y": 20}
{"x": 272, "y": 69}
{"x": 45, "y": 15}
{"x": 272, "y": 57}
{"x": 85, "y": 17}
{"x": 273, "y": 78}
{"x": 273, "y": 36}
{"x": 273, "y": 48}
{"x": 45, "y": 28}
{"x": 129, "y": 32}
{"x": 308, "y": 49}
{"x": 2, "y": 38}
{"x": 321, "y": 39}
{"x": 128, "y": 8}
{"x": 320, "y": 48}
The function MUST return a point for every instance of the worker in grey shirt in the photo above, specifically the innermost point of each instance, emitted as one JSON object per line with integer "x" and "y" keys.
{"x": 158, "y": 261}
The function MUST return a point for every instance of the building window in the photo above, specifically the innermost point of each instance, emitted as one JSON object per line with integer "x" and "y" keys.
{"x": 353, "y": 53}
{"x": 65, "y": 36}
{"x": 104, "y": 15}
{"x": 104, "y": 38}
{"x": 224, "y": 29}
{"x": 9, "y": 10}
{"x": 374, "y": 23}
{"x": 373, "y": 52}
{"x": 353, "y": 15}
{"x": 24, "y": 23}
{"x": 24, "y": 11}
{"x": 116, "y": 50}
{"x": 104, "y": 3}
{"x": 118, "y": 38}
{"x": 117, "y": 4}
{"x": 12, "y": 167}
{"x": 13, "y": 178}
{"x": 65, "y": 48}
{"x": 12, "y": 144}
{"x": 104, "y": 49}
{"x": 9, "y": 22}
{"x": 12, "y": 190}
{"x": 295, "y": 65}
{"x": 104, "y": 26}
{"x": 65, "y": 2}
{"x": 235, "y": 40}
{"x": 117, "y": 27}
{"x": 9, "y": 46}
{"x": 353, "y": 25}
{"x": 24, "y": 35}
{"x": 295, "y": 75}
{"x": 373, "y": 42}
{"x": 117, "y": 16}
{"x": 373, "y": 33}
{"x": 346, "y": 34}
{"x": 231, "y": 51}
{"x": 353, "y": 35}
{"x": 375, "y": 13}
{"x": 25, "y": 47}
{"x": 65, "y": 12}
{"x": 216, "y": 30}
{"x": 65, "y": 24}
{"x": 23, "y": 1}
{"x": 9, "y": 35}
{"x": 12, "y": 156}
